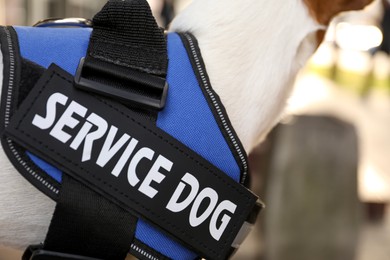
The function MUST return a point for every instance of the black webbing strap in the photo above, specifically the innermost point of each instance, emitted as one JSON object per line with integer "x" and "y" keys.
{"x": 126, "y": 60}
{"x": 87, "y": 224}
{"x": 126, "y": 34}
{"x": 127, "y": 56}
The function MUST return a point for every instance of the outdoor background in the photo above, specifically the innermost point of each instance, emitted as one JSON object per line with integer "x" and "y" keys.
{"x": 324, "y": 172}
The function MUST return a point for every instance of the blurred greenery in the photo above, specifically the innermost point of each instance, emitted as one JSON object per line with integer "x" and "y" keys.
{"x": 358, "y": 83}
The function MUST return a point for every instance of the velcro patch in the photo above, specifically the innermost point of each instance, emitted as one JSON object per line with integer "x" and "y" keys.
{"x": 133, "y": 163}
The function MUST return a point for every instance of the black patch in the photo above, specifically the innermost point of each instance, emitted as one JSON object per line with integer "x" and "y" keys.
{"x": 31, "y": 72}
{"x": 118, "y": 189}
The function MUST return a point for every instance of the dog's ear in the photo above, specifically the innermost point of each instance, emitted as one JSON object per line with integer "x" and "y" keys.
{"x": 324, "y": 10}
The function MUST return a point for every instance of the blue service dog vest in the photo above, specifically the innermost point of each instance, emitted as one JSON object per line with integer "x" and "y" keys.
{"x": 193, "y": 115}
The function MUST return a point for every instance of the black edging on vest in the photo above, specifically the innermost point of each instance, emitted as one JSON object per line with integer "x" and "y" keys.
{"x": 13, "y": 70}
{"x": 216, "y": 107}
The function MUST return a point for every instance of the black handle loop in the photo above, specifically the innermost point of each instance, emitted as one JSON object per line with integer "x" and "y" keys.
{"x": 127, "y": 56}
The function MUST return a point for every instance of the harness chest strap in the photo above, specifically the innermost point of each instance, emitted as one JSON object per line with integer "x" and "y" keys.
{"x": 133, "y": 164}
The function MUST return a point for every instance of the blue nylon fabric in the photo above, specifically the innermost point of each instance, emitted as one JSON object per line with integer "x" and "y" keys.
{"x": 186, "y": 116}
{"x": 51, "y": 170}
{"x": 47, "y": 45}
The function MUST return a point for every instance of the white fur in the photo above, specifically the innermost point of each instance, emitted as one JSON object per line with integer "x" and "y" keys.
{"x": 252, "y": 50}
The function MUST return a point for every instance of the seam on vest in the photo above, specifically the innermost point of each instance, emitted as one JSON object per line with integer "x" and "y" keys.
{"x": 218, "y": 109}
{"x": 7, "y": 114}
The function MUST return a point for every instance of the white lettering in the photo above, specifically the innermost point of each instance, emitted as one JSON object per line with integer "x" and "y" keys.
{"x": 125, "y": 157}
{"x": 109, "y": 150}
{"x": 215, "y": 232}
{"x": 206, "y": 193}
{"x": 88, "y": 136}
{"x": 155, "y": 175}
{"x": 67, "y": 120}
{"x": 173, "y": 204}
{"x": 47, "y": 122}
{"x": 141, "y": 154}
{"x": 204, "y": 202}
{"x": 78, "y": 140}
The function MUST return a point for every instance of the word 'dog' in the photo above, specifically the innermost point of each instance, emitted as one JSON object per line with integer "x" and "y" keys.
{"x": 197, "y": 198}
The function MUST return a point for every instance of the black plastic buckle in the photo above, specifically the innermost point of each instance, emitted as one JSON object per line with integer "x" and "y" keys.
{"x": 246, "y": 227}
{"x": 146, "y": 83}
{"x": 35, "y": 252}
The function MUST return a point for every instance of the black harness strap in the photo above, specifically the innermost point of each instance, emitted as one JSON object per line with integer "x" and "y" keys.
{"x": 84, "y": 223}
{"x": 127, "y": 57}
{"x": 126, "y": 60}
{"x": 126, "y": 34}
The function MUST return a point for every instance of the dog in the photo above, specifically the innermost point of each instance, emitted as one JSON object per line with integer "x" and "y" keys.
{"x": 252, "y": 49}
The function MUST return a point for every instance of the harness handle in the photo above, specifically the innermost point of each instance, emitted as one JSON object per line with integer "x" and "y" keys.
{"x": 127, "y": 57}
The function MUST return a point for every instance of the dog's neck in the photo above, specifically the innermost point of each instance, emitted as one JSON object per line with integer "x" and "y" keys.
{"x": 254, "y": 70}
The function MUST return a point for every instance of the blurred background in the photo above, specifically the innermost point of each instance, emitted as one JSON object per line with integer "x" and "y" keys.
{"x": 324, "y": 172}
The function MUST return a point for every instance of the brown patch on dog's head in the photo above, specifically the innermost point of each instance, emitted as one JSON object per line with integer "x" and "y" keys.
{"x": 324, "y": 10}
{"x": 320, "y": 35}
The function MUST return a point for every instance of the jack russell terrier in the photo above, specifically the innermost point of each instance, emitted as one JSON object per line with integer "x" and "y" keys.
{"x": 252, "y": 49}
